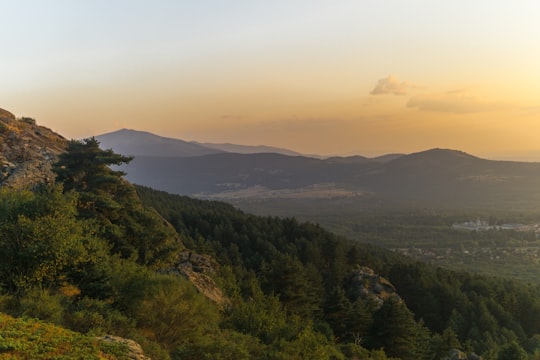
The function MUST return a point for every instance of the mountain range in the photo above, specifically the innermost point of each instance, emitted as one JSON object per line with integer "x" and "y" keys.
{"x": 435, "y": 177}
{"x": 133, "y": 142}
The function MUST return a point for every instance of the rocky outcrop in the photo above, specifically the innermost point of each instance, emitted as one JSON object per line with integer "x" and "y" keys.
{"x": 27, "y": 152}
{"x": 197, "y": 268}
{"x": 455, "y": 354}
{"x": 364, "y": 283}
{"x": 6, "y": 115}
{"x": 135, "y": 352}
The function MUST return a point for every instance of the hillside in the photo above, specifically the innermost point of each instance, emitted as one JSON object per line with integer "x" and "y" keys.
{"x": 137, "y": 143}
{"x": 437, "y": 177}
{"x": 37, "y": 340}
{"x": 96, "y": 255}
{"x": 27, "y": 151}
{"x": 142, "y": 143}
{"x": 248, "y": 149}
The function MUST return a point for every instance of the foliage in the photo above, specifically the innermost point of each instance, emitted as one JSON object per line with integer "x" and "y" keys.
{"x": 32, "y": 339}
{"x": 41, "y": 237}
{"x": 28, "y": 120}
{"x": 91, "y": 254}
{"x": 446, "y": 308}
{"x": 111, "y": 202}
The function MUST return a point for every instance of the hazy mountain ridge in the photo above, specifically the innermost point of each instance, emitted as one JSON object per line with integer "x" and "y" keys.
{"x": 435, "y": 177}
{"x": 135, "y": 142}
{"x": 141, "y": 143}
{"x": 248, "y": 149}
{"x": 293, "y": 273}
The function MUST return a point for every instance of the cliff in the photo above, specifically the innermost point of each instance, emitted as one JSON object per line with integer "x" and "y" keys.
{"x": 27, "y": 151}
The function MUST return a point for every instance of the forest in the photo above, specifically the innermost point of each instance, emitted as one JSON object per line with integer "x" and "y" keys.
{"x": 92, "y": 254}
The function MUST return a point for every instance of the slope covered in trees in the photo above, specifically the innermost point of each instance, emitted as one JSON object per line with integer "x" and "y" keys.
{"x": 93, "y": 254}
{"x": 462, "y": 310}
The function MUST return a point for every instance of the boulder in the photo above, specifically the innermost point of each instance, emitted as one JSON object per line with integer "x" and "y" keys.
{"x": 27, "y": 152}
{"x": 364, "y": 283}
{"x": 135, "y": 352}
{"x": 197, "y": 269}
{"x": 456, "y": 354}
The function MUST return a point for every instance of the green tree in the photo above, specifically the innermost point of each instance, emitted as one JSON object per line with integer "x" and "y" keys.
{"x": 173, "y": 312}
{"x": 109, "y": 200}
{"x": 443, "y": 343}
{"x": 290, "y": 280}
{"x": 85, "y": 168}
{"x": 263, "y": 317}
{"x": 41, "y": 238}
{"x": 512, "y": 351}
{"x": 336, "y": 312}
{"x": 395, "y": 331}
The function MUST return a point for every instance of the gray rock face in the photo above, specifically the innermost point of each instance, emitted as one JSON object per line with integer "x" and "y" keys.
{"x": 455, "y": 354}
{"x": 135, "y": 352}
{"x": 364, "y": 283}
{"x": 197, "y": 268}
{"x": 6, "y": 115}
{"x": 27, "y": 152}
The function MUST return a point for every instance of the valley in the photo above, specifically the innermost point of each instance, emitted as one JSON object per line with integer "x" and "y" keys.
{"x": 294, "y": 269}
{"x": 409, "y": 203}
{"x": 429, "y": 235}
{"x": 273, "y": 180}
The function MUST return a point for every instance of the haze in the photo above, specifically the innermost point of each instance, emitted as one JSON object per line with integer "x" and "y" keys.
{"x": 343, "y": 77}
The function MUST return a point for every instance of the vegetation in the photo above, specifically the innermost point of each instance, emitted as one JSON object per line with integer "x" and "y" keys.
{"x": 92, "y": 253}
{"x": 426, "y": 234}
{"x": 32, "y": 339}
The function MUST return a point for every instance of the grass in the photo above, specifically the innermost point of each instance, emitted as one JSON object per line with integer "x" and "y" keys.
{"x": 22, "y": 338}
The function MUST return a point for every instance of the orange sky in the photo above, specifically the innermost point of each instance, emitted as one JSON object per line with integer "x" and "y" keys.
{"x": 342, "y": 78}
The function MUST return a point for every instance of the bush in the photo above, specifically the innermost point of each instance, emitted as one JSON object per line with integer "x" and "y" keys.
{"x": 98, "y": 317}
{"x": 173, "y": 311}
{"x": 43, "y": 305}
{"x": 28, "y": 120}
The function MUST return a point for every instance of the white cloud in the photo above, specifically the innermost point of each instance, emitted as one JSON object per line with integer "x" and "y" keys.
{"x": 455, "y": 102}
{"x": 233, "y": 117}
{"x": 390, "y": 85}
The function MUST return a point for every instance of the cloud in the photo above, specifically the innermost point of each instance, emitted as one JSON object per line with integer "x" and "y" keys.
{"x": 232, "y": 117}
{"x": 390, "y": 85}
{"x": 531, "y": 110}
{"x": 454, "y": 102}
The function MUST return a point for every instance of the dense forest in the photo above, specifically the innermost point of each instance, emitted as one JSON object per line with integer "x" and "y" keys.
{"x": 94, "y": 254}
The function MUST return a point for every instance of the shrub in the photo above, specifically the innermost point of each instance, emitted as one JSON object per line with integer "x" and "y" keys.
{"x": 43, "y": 305}
{"x": 28, "y": 120}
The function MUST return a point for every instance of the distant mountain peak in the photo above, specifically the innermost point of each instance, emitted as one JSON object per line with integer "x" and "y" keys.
{"x": 443, "y": 151}
{"x": 250, "y": 149}
{"x": 437, "y": 156}
{"x": 143, "y": 143}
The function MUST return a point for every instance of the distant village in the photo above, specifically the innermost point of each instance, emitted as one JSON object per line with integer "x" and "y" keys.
{"x": 482, "y": 225}
{"x": 516, "y": 252}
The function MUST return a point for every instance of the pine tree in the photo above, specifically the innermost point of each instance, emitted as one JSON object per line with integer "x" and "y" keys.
{"x": 395, "y": 331}
{"x": 85, "y": 168}
{"x": 104, "y": 196}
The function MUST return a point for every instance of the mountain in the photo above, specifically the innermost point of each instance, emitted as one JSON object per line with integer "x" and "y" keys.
{"x": 99, "y": 256}
{"x": 142, "y": 143}
{"x": 247, "y": 149}
{"x": 436, "y": 177}
{"x": 387, "y": 157}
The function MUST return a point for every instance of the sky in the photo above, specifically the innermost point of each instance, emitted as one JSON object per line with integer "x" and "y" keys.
{"x": 320, "y": 77}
